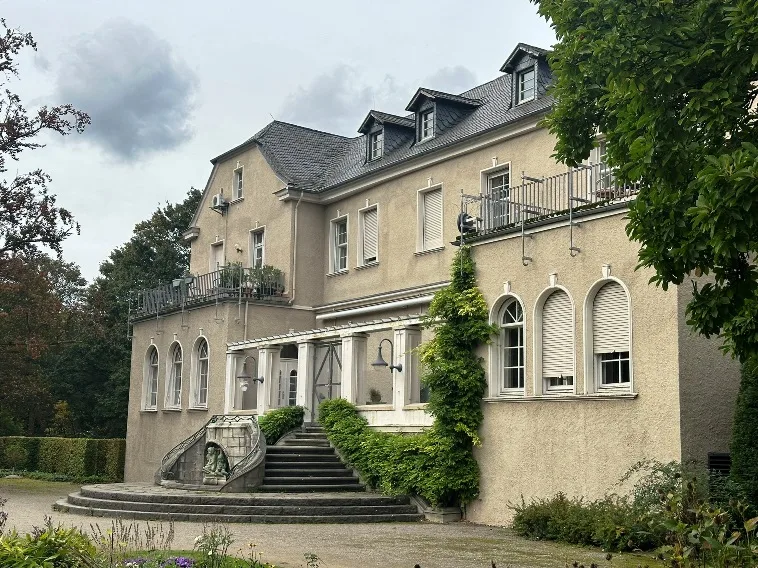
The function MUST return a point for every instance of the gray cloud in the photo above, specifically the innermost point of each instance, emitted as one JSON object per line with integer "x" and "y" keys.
{"x": 41, "y": 63}
{"x": 337, "y": 101}
{"x": 138, "y": 93}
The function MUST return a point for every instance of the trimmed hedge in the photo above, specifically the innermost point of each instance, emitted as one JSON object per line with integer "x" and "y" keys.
{"x": 744, "y": 446}
{"x": 277, "y": 423}
{"x": 76, "y": 458}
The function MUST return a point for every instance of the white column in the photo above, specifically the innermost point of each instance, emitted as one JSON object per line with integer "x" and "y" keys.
{"x": 230, "y": 382}
{"x": 405, "y": 339}
{"x": 353, "y": 365}
{"x": 306, "y": 351}
{"x": 268, "y": 368}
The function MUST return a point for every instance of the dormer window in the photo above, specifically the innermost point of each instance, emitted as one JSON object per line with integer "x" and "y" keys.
{"x": 376, "y": 145}
{"x": 525, "y": 81}
{"x": 427, "y": 125}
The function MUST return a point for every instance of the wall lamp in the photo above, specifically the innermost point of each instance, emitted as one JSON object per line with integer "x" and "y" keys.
{"x": 380, "y": 362}
{"x": 244, "y": 378}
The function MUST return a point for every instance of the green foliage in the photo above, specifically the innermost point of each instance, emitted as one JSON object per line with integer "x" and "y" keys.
{"x": 671, "y": 85}
{"x": 213, "y": 545}
{"x": 49, "y": 547}
{"x": 439, "y": 464}
{"x": 744, "y": 447}
{"x": 278, "y": 422}
{"x": 70, "y": 458}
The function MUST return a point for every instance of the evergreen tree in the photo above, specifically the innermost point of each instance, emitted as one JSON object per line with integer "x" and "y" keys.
{"x": 745, "y": 434}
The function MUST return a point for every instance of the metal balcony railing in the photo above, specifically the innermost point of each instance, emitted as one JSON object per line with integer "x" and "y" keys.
{"x": 229, "y": 282}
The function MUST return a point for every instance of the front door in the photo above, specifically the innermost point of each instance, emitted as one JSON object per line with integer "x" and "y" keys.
{"x": 287, "y": 382}
{"x": 327, "y": 375}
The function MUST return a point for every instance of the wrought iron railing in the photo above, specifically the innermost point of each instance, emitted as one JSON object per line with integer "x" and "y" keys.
{"x": 254, "y": 457}
{"x": 580, "y": 188}
{"x": 264, "y": 283}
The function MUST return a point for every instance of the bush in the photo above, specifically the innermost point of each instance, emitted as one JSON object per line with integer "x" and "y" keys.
{"x": 277, "y": 423}
{"x": 744, "y": 447}
{"x": 71, "y": 458}
{"x": 53, "y": 546}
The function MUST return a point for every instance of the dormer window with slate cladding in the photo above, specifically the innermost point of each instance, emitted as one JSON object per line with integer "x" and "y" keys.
{"x": 375, "y": 145}
{"x": 436, "y": 112}
{"x": 530, "y": 74}
{"x": 385, "y": 133}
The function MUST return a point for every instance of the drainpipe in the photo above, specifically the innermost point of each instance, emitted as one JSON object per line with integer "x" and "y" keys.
{"x": 294, "y": 251}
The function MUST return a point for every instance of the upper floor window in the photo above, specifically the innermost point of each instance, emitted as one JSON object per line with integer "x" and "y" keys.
{"x": 151, "y": 379}
{"x": 339, "y": 245}
{"x": 427, "y": 125}
{"x": 430, "y": 219}
{"x": 200, "y": 378}
{"x": 558, "y": 342}
{"x": 256, "y": 248}
{"x": 376, "y": 145}
{"x": 174, "y": 388}
{"x": 512, "y": 346}
{"x": 610, "y": 336}
{"x": 525, "y": 83}
{"x": 238, "y": 183}
{"x": 499, "y": 191}
{"x": 369, "y": 236}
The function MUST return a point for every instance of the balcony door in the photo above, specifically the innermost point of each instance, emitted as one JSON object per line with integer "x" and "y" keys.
{"x": 327, "y": 376}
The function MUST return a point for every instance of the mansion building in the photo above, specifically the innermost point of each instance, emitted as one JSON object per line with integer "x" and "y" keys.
{"x": 308, "y": 249}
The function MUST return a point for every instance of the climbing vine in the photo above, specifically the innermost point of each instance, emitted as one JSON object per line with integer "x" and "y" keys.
{"x": 439, "y": 464}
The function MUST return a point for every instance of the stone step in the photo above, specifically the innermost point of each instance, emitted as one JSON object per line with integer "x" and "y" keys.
{"x": 305, "y": 480}
{"x": 304, "y": 458}
{"x": 66, "y": 507}
{"x": 310, "y": 435}
{"x": 305, "y": 442}
{"x": 299, "y": 449}
{"x": 265, "y": 488}
{"x": 296, "y": 464}
{"x": 301, "y": 472}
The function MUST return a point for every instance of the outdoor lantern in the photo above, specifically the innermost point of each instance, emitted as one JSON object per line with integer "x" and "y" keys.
{"x": 244, "y": 378}
{"x": 380, "y": 362}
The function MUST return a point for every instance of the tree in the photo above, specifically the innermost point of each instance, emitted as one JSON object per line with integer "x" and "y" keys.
{"x": 744, "y": 447}
{"x": 672, "y": 86}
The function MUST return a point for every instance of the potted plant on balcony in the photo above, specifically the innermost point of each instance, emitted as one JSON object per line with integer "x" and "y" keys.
{"x": 230, "y": 277}
{"x": 268, "y": 281}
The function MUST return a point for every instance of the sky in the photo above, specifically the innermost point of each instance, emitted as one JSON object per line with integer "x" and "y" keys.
{"x": 170, "y": 84}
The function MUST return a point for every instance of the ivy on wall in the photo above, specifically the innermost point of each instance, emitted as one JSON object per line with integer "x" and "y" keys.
{"x": 439, "y": 464}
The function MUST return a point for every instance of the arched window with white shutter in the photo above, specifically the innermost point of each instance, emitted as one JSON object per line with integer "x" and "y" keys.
{"x": 554, "y": 342}
{"x": 199, "y": 377}
{"x": 608, "y": 337}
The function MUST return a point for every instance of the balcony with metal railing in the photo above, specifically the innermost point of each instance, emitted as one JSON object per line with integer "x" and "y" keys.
{"x": 233, "y": 282}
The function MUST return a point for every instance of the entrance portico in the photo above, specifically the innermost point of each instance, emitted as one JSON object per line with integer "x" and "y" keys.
{"x": 332, "y": 362}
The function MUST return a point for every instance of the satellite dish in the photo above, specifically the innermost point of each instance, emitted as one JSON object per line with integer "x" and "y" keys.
{"x": 466, "y": 223}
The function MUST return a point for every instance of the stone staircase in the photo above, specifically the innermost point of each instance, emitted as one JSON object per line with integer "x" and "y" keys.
{"x": 304, "y": 482}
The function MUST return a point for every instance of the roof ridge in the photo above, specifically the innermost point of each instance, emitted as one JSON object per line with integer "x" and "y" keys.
{"x": 307, "y": 128}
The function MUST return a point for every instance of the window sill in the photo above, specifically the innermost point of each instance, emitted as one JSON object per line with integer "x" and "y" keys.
{"x": 367, "y": 265}
{"x": 338, "y": 273}
{"x": 171, "y": 409}
{"x": 383, "y": 407}
{"x": 425, "y": 140}
{"x": 564, "y": 398}
{"x": 428, "y": 251}
{"x": 415, "y": 406}
{"x": 250, "y": 412}
{"x": 198, "y": 409}
{"x": 526, "y": 101}
{"x": 149, "y": 411}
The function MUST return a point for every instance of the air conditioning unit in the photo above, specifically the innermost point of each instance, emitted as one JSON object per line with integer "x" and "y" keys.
{"x": 218, "y": 201}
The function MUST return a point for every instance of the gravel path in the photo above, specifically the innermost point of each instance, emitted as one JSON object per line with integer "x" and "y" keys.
{"x": 400, "y": 545}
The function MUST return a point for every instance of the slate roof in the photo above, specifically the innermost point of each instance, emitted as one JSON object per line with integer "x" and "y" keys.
{"x": 383, "y": 117}
{"x": 432, "y": 94}
{"x": 317, "y": 161}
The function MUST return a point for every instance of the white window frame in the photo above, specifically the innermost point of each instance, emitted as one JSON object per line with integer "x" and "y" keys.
{"x": 196, "y": 375}
{"x": 172, "y": 393}
{"x": 253, "y": 248}
{"x": 238, "y": 184}
{"x": 497, "y": 368}
{"x": 592, "y": 376}
{"x": 334, "y": 246}
{"x": 540, "y": 388}
{"x": 421, "y": 216}
{"x": 375, "y": 145}
{"x": 520, "y": 92}
{"x": 211, "y": 256}
{"x": 362, "y": 235}
{"x": 150, "y": 378}
{"x": 426, "y": 126}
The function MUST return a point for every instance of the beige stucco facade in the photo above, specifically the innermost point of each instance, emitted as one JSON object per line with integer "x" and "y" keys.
{"x": 677, "y": 405}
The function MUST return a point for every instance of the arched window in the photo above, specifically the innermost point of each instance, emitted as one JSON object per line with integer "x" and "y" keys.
{"x": 558, "y": 342}
{"x": 201, "y": 374}
{"x": 151, "y": 379}
{"x": 610, "y": 336}
{"x": 174, "y": 390}
{"x": 512, "y": 354}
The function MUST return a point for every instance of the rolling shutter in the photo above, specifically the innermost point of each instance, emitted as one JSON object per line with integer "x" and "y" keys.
{"x": 370, "y": 236}
{"x": 610, "y": 319}
{"x": 432, "y": 228}
{"x": 557, "y": 336}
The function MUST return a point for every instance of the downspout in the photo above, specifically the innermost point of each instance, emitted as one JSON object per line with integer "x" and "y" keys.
{"x": 294, "y": 251}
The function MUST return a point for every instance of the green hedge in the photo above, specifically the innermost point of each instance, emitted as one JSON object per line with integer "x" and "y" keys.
{"x": 72, "y": 457}
{"x": 277, "y": 423}
{"x": 744, "y": 445}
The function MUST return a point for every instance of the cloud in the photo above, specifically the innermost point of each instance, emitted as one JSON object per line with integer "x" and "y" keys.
{"x": 138, "y": 93}
{"x": 41, "y": 63}
{"x": 338, "y": 100}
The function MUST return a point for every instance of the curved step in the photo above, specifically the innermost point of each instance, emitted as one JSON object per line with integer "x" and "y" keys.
{"x": 311, "y": 488}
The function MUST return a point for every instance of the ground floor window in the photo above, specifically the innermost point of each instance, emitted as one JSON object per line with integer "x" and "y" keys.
{"x": 614, "y": 368}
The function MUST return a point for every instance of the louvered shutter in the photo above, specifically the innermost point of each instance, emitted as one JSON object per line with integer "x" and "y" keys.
{"x": 610, "y": 319}
{"x": 432, "y": 236}
{"x": 370, "y": 235}
{"x": 557, "y": 336}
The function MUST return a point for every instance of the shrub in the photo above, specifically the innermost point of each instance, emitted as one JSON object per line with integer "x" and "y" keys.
{"x": 53, "y": 546}
{"x": 744, "y": 447}
{"x": 71, "y": 458}
{"x": 277, "y": 423}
